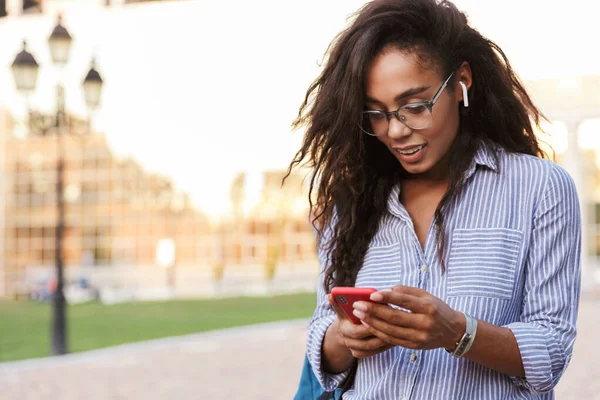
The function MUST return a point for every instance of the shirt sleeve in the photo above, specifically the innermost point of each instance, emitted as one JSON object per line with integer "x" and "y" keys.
{"x": 322, "y": 318}
{"x": 546, "y": 330}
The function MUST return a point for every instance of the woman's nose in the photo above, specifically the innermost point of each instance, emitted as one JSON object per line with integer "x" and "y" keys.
{"x": 397, "y": 130}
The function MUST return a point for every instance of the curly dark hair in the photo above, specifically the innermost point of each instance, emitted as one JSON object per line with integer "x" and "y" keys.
{"x": 355, "y": 173}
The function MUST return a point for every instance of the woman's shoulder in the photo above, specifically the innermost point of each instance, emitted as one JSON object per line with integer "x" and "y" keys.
{"x": 530, "y": 166}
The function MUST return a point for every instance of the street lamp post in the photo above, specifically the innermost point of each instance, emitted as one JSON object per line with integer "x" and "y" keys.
{"x": 25, "y": 70}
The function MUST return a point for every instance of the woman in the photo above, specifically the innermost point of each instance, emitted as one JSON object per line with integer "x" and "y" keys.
{"x": 432, "y": 188}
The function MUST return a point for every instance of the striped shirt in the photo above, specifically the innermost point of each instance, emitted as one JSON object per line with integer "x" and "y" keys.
{"x": 513, "y": 260}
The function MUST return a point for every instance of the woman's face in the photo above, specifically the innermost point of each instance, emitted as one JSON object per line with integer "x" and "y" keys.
{"x": 397, "y": 78}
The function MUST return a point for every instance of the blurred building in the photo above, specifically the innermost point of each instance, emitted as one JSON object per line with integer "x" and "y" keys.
{"x": 119, "y": 215}
{"x": 116, "y": 212}
{"x": 20, "y": 7}
{"x": 267, "y": 216}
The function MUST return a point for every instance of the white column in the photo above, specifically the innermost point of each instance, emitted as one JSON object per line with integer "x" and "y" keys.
{"x": 574, "y": 165}
{"x": 14, "y": 7}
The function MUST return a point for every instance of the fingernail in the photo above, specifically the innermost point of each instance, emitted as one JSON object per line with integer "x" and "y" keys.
{"x": 360, "y": 305}
{"x": 365, "y": 324}
{"x": 376, "y": 296}
{"x": 359, "y": 314}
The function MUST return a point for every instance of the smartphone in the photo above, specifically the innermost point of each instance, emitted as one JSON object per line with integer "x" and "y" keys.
{"x": 346, "y": 296}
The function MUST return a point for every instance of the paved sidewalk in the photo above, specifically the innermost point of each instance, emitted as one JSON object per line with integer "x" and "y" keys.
{"x": 261, "y": 362}
{"x": 253, "y": 363}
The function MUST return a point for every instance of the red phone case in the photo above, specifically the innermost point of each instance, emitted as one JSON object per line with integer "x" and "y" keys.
{"x": 346, "y": 296}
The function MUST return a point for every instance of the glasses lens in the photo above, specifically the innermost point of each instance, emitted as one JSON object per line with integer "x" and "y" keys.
{"x": 375, "y": 123}
{"x": 416, "y": 116}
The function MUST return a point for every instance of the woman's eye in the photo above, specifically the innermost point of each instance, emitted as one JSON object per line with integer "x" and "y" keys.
{"x": 415, "y": 108}
{"x": 376, "y": 116}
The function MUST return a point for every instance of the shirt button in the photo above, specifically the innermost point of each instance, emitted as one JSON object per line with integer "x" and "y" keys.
{"x": 405, "y": 398}
{"x": 413, "y": 357}
{"x": 424, "y": 268}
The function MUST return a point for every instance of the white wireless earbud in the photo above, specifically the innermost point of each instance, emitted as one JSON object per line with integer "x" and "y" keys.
{"x": 465, "y": 94}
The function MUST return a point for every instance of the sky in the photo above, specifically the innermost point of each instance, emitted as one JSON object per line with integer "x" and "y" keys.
{"x": 200, "y": 90}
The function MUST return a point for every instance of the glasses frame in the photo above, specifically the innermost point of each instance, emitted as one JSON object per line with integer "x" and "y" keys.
{"x": 388, "y": 114}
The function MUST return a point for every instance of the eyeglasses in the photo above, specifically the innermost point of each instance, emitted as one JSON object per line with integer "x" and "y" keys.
{"x": 414, "y": 115}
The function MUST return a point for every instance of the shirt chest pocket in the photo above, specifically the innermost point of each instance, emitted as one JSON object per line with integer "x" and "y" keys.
{"x": 482, "y": 262}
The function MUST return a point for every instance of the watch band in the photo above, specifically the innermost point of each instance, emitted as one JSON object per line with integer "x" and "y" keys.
{"x": 465, "y": 343}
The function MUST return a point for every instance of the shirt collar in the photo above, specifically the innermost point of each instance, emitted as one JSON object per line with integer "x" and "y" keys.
{"x": 394, "y": 206}
{"x": 484, "y": 156}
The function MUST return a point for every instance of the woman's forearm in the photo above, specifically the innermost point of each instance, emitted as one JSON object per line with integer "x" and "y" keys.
{"x": 335, "y": 356}
{"x": 495, "y": 347}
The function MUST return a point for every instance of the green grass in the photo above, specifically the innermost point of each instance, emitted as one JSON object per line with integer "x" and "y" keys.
{"x": 25, "y": 326}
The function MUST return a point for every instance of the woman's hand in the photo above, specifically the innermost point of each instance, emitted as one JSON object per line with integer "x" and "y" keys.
{"x": 429, "y": 323}
{"x": 357, "y": 337}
